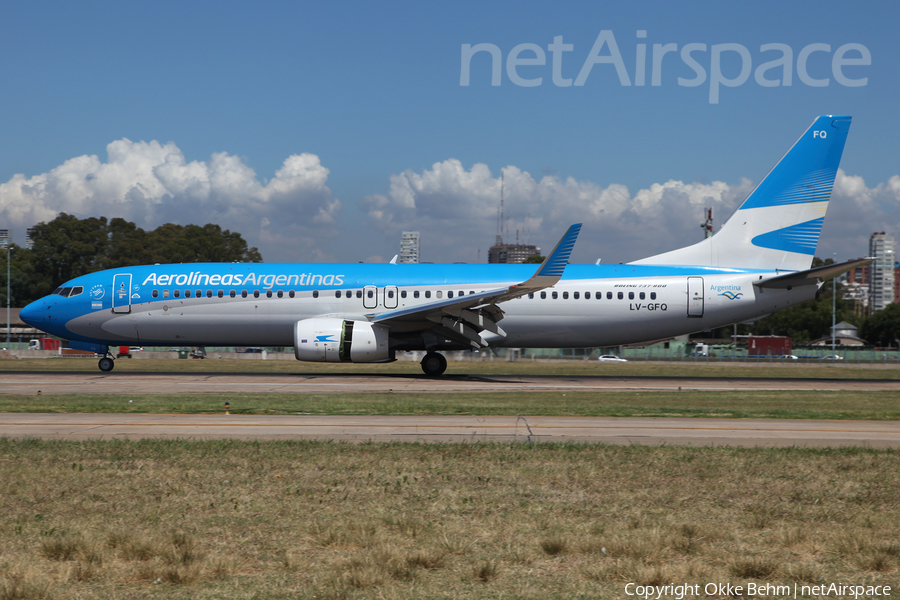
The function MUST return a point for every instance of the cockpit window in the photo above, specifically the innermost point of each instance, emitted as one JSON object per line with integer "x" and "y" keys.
{"x": 63, "y": 291}
{"x": 76, "y": 290}
{"x": 57, "y": 290}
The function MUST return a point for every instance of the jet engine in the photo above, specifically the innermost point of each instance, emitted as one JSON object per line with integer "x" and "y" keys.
{"x": 340, "y": 340}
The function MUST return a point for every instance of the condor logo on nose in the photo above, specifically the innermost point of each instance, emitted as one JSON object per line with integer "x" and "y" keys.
{"x": 325, "y": 338}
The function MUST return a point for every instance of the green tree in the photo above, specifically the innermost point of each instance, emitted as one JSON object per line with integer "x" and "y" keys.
{"x": 883, "y": 327}
{"x": 67, "y": 247}
{"x": 534, "y": 260}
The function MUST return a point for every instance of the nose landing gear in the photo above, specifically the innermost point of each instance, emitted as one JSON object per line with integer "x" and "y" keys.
{"x": 434, "y": 364}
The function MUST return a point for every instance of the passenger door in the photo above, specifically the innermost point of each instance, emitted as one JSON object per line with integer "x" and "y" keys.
{"x": 695, "y": 297}
{"x": 121, "y": 300}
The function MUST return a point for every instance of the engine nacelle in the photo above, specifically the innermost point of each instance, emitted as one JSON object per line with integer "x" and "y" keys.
{"x": 341, "y": 340}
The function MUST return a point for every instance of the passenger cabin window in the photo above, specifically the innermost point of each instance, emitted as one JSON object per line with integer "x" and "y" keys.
{"x": 232, "y": 293}
{"x": 620, "y": 295}
{"x": 370, "y": 293}
{"x": 543, "y": 295}
{"x": 642, "y": 295}
{"x": 531, "y": 296}
{"x": 269, "y": 294}
{"x": 403, "y": 293}
{"x": 439, "y": 294}
{"x": 428, "y": 293}
{"x": 291, "y": 294}
{"x": 221, "y": 293}
{"x": 155, "y": 293}
{"x": 243, "y": 293}
{"x": 555, "y": 295}
{"x": 575, "y": 296}
{"x": 315, "y": 293}
{"x": 609, "y": 295}
{"x": 416, "y": 294}
{"x": 337, "y": 294}
{"x": 209, "y": 293}
{"x": 256, "y": 293}
{"x": 165, "y": 293}
{"x": 653, "y": 295}
{"x": 359, "y": 293}
{"x": 280, "y": 294}
{"x": 187, "y": 293}
{"x": 565, "y": 295}
{"x": 176, "y": 293}
{"x": 390, "y": 293}
{"x": 449, "y": 294}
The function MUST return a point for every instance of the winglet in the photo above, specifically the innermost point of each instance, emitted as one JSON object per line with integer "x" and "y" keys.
{"x": 553, "y": 266}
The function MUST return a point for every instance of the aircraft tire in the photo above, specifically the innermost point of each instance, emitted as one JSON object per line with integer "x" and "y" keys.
{"x": 434, "y": 364}
{"x": 106, "y": 364}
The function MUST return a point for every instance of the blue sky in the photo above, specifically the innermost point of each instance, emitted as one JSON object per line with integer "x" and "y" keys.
{"x": 322, "y": 131}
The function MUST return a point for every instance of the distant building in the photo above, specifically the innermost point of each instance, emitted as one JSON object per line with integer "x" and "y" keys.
{"x": 844, "y": 335}
{"x": 28, "y": 242}
{"x": 5, "y": 238}
{"x": 409, "y": 247}
{"x": 511, "y": 253}
{"x": 881, "y": 278}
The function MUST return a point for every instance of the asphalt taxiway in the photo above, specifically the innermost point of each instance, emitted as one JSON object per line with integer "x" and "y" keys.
{"x": 436, "y": 428}
{"x": 610, "y": 430}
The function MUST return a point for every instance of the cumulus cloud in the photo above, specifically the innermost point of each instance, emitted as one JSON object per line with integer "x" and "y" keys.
{"x": 296, "y": 217}
{"x": 152, "y": 183}
{"x": 449, "y": 204}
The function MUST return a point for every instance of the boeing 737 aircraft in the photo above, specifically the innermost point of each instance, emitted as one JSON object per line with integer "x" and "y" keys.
{"x": 759, "y": 262}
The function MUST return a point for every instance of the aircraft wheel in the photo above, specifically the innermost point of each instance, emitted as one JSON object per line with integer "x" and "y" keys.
{"x": 106, "y": 364}
{"x": 434, "y": 364}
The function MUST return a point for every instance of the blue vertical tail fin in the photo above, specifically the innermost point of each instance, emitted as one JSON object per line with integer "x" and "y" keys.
{"x": 778, "y": 225}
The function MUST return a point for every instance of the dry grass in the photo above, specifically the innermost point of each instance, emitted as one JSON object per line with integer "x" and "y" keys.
{"x": 228, "y": 519}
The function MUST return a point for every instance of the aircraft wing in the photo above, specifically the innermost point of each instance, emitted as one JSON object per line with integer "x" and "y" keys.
{"x": 811, "y": 276}
{"x": 466, "y": 317}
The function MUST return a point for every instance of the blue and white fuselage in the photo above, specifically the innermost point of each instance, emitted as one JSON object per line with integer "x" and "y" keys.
{"x": 759, "y": 262}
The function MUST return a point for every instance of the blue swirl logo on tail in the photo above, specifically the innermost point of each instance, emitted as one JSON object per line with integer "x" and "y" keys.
{"x": 731, "y": 295}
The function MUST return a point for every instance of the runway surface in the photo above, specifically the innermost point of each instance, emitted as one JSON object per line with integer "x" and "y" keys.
{"x": 610, "y": 430}
{"x": 272, "y": 383}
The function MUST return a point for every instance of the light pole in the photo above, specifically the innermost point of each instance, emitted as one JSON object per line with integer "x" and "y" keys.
{"x": 833, "y": 307}
{"x": 8, "y": 324}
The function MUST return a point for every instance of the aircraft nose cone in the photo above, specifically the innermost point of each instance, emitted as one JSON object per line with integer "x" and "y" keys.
{"x": 33, "y": 313}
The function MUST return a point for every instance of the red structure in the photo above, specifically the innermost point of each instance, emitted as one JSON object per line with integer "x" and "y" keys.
{"x": 769, "y": 345}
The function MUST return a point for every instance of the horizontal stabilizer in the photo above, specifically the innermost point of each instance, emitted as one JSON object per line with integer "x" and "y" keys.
{"x": 812, "y": 276}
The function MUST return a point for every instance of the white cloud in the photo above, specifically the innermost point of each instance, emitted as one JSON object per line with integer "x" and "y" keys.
{"x": 456, "y": 210}
{"x": 295, "y": 215}
{"x": 152, "y": 183}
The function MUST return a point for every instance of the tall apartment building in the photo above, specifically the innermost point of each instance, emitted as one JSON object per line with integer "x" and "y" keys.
{"x": 881, "y": 279}
{"x": 409, "y": 247}
{"x": 5, "y": 238}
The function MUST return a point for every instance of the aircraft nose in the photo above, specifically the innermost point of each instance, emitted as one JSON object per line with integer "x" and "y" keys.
{"x": 33, "y": 313}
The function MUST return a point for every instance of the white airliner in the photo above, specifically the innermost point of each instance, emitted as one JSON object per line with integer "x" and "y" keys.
{"x": 759, "y": 262}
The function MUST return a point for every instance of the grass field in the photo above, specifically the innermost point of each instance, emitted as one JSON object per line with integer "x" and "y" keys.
{"x": 877, "y": 405}
{"x": 228, "y": 519}
{"x": 848, "y": 370}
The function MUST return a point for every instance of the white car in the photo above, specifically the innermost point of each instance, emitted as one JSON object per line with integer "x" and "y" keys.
{"x": 611, "y": 358}
{"x": 833, "y": 357}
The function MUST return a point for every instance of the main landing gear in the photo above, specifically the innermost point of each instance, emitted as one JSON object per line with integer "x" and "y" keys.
{"x": 106, "y": 363}
{"x": 434, "y": 364}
